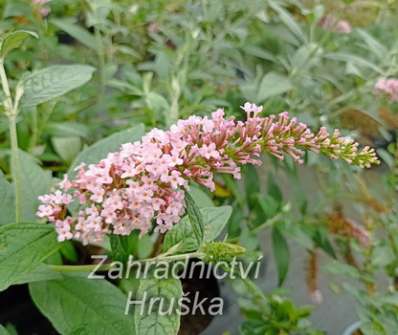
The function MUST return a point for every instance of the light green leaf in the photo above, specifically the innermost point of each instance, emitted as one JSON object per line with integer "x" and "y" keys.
{"x": 281, "y": 254}
{"x": 68, "y": 129}
{"x": 67, "y": 147}
{"x": 152, "y": 321}
{"x": 77, "y": 305}
{"x": 14, "y": 40}
{"x": 200, "y": 197}
{"x": 41, "y": 273}
{"x": 77, "y": 32}
{"x": 35, "y": 182}
{"x": 3, "y": 331}
{"x": 354, "y": 59}
{"x": 288, "y": 20}
{"x": 7, "y": 201}
{"x": 273, "y": 84}
{"x": 52, "y": 82}
{"x": 372, "y": 44}
{"x": 214, "y": 218}
{"x": 100, "y": 149}
{"x": 23, "y": 247}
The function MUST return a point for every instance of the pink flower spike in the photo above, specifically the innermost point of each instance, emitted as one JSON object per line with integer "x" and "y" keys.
{"x": 144, "y": 183}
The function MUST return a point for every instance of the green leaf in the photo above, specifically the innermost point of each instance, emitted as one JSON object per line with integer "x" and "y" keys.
{"x": 3, "y": 331}
{"x": 66, "y": 147}
{"x": 273, "y": 84}
{"x": 35, "y": 182}
{"x": 252, "y": 184}
{"x": 214, "y": 218}
{"x": 321, "y": 239}
{"x": 288, "y": 20}
{"x": 23, "y": 247}
{"x": 69, "y": 252}
{"x": 195, "y": 218}
{"x": 77, "y": 305}
{"x": 354, "y": 59}
{"x": 77, "y": 32}
{"x": 372, "y": 44}
{"x": 201, "y": 198}
{"x": 7, "y": 201}
{"x": 41, "y": 273}
{"x": 67, "y": 129}
{"x": 152, "y": 322}
{"x": 281, "y": 254}
{"x": 123, "y": 246}
{"x": 100, "y": 149}
{"x": 52, "y": 82}
{"x": 14, "y": 40}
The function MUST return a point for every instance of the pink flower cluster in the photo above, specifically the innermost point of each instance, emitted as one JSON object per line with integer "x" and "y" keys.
{"x": 144, "y": 182}
{"x": 388, "y": 87}
{"x": 331, "y": 23}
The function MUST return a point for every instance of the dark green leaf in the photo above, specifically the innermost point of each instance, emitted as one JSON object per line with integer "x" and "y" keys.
{"x": 281, "y": 254}
{"x": 322, "y": 241}
{"x": 123, "y": 246}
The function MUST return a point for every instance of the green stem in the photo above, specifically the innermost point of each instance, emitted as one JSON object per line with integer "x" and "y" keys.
{"x": 11, "y": 110}
{"x": 105, "y": 267}
{"x": 15, "y": 166}
{"x": 35, "y": 129}
{"x": 101, "y": 65}
{"x": 80, "y": 268}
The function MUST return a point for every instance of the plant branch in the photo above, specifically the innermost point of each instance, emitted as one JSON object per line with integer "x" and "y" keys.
{"x": 11, "y": 110}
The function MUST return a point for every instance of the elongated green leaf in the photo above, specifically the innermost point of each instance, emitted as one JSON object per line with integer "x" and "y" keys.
{"x": 372, "y": 44}
{"x": 155, "y": 320}
{"x": 7, "y": 201}
{"x": 195, "y": 218}
{"x": 354, "y": 59}
{"x": 281, "y": 254}
{"x": 77, "y": 32}
{"x": 23, "y": 247}
{"x": 14, "y": 40}
{"x": 273, "y": 84}
{"x": 77, "y": 305}
{"x": 52, "y": 82}
{"x": 100, "y": 149}
{"x": 214, "y": 218}
{"x": 35, "y": 182}
{"x": 321, "y": 238}
{"x": 288, "y": 20}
